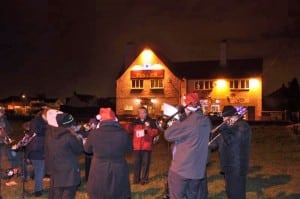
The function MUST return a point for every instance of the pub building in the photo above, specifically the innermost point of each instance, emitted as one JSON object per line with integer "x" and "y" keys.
{"x": 151, "y": 81}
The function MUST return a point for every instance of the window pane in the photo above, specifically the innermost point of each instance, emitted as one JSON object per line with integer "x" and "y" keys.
{"x": 196, "y": 85}
{"x": 141, "y": 84}
{"x": 231, "y": 84}
{"x": 206, "y": 84}
{"x": 242, "y": 83}
{"x": 201, "y": 85}
{"x": 247, "y": 83}
{"x": 236, "y": 84}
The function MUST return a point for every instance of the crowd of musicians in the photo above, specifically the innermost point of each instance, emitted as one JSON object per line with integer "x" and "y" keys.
{"x": 53, "y": 143}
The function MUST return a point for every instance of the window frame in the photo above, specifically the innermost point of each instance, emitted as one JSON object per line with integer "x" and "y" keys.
{"x": 203, "y": 84}
{"x": 137, "y": 84}
{"x": 156, "y": 84}
{"x": 239, "y": 84}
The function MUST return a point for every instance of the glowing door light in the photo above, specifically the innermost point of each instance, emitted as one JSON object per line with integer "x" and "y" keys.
{"x": 153, "y": 101}
{"x": 221, "y": 84}
{"x": 253, "y": 83}
{"x": 138, "y": 100}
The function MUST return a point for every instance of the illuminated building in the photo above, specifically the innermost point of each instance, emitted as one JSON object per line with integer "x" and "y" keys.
{"x": 150, "y": 81}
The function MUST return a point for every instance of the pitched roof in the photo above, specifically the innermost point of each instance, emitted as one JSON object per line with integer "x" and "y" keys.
{"x": 282, "y": 92}
{"x": 235, "y": 68}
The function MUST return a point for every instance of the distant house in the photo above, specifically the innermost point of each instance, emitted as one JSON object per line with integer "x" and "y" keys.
{"x": 283, "y": 102}
{"x": 150, "y": 80}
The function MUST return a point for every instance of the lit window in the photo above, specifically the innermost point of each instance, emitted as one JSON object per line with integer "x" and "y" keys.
{"x": 203, "y": 85}
{"x": 215, "y": 108}
{"x": 157, "y": 84}
{"x": 239, "y": 84}
{"x": 137, "y": 84}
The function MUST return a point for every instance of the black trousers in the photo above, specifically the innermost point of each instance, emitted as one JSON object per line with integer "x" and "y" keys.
{"x": 141, "y": 165}
{"x": 88, "y": 161}
{"x": 235, "y": 185}
{"x": 62, "y": 192}
{"x": 191, "y": 188}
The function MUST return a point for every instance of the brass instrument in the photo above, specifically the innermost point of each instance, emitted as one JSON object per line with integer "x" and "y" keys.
{"x": 240, "y": 113}
{"x": 171, "y": 115}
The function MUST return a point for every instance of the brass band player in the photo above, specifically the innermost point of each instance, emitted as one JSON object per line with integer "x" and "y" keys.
{"x": 187, "y": 174}
{"x": 234, "y": 149}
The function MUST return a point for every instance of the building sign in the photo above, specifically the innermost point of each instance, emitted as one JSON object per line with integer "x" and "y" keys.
{"x": 147, "y": 74}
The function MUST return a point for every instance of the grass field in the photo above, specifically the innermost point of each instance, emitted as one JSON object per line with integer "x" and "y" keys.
{"x": 274, "y": 173}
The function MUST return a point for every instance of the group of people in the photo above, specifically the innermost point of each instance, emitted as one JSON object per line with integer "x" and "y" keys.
{"x": 56, "y": 145}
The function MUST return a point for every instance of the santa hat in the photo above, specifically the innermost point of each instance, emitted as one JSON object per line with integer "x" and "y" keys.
{"x": 51, "y": 117}
{"x": 106, "y": 114}
{"x": 192, "y": 101}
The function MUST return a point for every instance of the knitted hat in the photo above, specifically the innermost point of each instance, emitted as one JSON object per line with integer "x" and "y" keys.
{"x": 107, "y": 114}
{"x": 228, "y": 111}
{"x": 192, "y": 99}
{"x": 65, "y": 120}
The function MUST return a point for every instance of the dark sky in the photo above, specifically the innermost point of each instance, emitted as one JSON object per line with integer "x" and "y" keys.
{"x": 60, "y": 46}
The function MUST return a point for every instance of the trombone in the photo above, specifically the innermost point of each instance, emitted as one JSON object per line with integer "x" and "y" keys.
{"x": 240, "y": 113}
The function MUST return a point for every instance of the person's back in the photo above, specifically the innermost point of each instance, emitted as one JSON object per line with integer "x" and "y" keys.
{"x": 62, "y": 148}
{"x": 109, "y": 172}
{"x": 110, "y": 141}
{"x": 187, "y": 174}
{"x": 190, "y": 140}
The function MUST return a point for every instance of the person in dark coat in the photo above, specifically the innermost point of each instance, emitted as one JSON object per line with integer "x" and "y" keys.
{"x": 234, "y": 149}
{"x": 62, "y": 148}
{"x": 91, "y": 125}
{"x": 34, "y": 151}
{"x": 109, "y": 173}
{"x": 187, "y": 174}
{"x": 143, "y": 131}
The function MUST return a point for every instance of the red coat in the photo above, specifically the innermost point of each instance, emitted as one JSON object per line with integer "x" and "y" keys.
{"x": 142, "y": 134}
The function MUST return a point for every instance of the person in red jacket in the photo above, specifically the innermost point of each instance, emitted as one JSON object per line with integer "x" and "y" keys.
{"x": 143, "y": 129}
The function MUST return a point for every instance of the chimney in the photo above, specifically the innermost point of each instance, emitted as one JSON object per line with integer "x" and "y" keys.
{"x": 223, "y": 53}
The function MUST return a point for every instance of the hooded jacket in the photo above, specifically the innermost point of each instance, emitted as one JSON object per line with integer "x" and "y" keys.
{"x": 142, "y": 142}
{"x": 62, "y": 149}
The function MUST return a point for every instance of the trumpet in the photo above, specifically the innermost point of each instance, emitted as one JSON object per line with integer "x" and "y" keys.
{"x": 171, "y": 115}
{"x": 240, "y": 113}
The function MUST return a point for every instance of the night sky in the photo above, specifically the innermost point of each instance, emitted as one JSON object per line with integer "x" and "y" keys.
{"x": 56, "y": 47}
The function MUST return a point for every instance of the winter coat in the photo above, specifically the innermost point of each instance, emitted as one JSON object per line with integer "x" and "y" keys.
{"x": 35, "y": 150}
{"x": 234, "y": 147}
{"x": 142, "y": 141}
{"x": 190, "y": 151}
{"x": 109, "y": 173}
{"x": 62, "y": 149}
